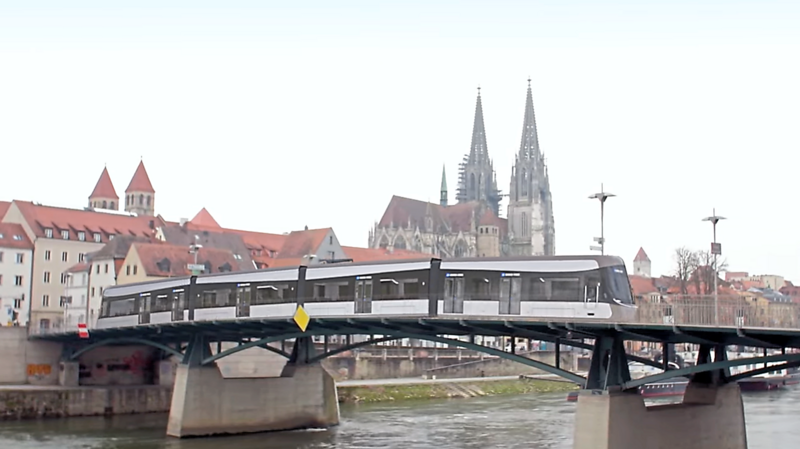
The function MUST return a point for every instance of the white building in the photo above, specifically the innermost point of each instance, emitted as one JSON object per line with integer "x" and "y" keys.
{"x": 16, "y": 259}
{"x": 75, "y": 292}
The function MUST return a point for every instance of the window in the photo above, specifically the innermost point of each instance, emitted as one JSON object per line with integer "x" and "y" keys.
{"x": 46, "y": 277}
{"x": 101, "y": 291}
{"x": 97, "y": 237}
{"x": 63, "y": 301}
{"x": 128, "y": 270}
{"x": 65, "y": 234}
{"x": 98, "y": 268}
{"x": 20, "y": 257}
{"x": 44, "y": 323}
{"x": 64, "y": 278}
{"x": 18, "y": 280}
{"x": 45, "y": 301}
{"x": 274, "y": 294}
{"x": 330, "y": 240}
{"x": 81, "y": 257}
{"x": 81, "y": 236}
{"x": 1, "y": 256}
{"x": 17, "y": 237}
{"x": 47, "y": 255}
{"x": 48, "y": 232}
{"x": 237, "y": 257}
{"x": 141, "y": 200}
{"x": 64, "y": 256}
{"x": 1, "y": 279}
{"x": 92, "y": 292}
{"x": 18, "y": 303}
{"x": 135, "y": 269}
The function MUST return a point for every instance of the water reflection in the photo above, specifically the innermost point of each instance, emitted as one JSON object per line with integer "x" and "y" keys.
{"x": 530, "y": 422}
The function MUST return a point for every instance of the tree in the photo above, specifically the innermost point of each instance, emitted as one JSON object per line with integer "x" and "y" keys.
{"x": 685, "y": 266}
{"x": 706, "y": 270}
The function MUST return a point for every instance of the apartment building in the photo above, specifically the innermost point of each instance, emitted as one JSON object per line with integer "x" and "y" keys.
{"x": 16, "y": 258}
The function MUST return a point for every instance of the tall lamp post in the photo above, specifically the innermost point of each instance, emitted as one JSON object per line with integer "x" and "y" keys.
{"x": 602, "y": 196}
{"x": 716, "y": 250}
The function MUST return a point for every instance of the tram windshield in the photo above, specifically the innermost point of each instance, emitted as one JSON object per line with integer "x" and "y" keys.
{"x": 618, "y": 286}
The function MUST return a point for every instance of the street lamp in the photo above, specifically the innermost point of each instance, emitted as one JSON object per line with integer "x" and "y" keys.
{"x": 716, "y": 250}
{"x": 602, "y": 196}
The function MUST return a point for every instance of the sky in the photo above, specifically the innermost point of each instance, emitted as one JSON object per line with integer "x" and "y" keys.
{"x": 279, "y": 115}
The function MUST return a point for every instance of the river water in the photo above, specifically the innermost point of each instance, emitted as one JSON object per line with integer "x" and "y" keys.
{"x": 509, "y": 422}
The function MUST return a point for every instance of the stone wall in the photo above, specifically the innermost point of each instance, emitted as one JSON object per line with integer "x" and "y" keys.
{"x": 493, "y": 367}
{"x": 57, "y": 402}
{"x": 27, "y": 362}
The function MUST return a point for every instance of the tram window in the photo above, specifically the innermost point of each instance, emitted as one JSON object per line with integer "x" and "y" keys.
{"x": 618, "y": 285}
{"x": 479, "y": 288}
{"x": 225, "y": 297}
{"x": 332, "y": 291}
{"x": 208, "y": 299}
{"x": 160, "y": 303}
{"x": 274, "y": 294}
{"x": 388, "y": 289}
{"x": 243, "y": 295}
{"x": 411, "y": 288}
{"x": 121, "y": 307}
{"x": 565, "y": 289}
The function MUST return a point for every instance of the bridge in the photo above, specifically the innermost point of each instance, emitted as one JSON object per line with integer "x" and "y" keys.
{"x": 609, "y": 412}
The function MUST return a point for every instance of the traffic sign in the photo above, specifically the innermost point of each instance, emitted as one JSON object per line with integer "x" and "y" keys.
{"x": 82, "y": 331}
{"x": 196, "y": 267}
{"x": 301, "y": 318}
{"x": 716, "y": 249}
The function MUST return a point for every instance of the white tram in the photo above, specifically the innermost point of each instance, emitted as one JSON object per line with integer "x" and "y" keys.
{"x": 558, "y": 287}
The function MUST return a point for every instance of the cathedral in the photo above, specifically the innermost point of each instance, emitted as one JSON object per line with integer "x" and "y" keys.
{"x": 473, "y": 226}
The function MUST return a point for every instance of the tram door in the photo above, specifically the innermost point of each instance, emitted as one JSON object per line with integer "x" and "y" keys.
{"x": 143, "y": 308}
{"x": 454, "y": 293}
{"x": 363, "y": 298}
{"x": 243, "y": 300}
{"x": 178, "y": 304}
{"x": 510, "y": 293}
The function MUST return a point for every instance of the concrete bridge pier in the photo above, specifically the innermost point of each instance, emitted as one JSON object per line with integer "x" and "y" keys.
{"x": 711, "y": 415}
{"x": 204, "y": 403}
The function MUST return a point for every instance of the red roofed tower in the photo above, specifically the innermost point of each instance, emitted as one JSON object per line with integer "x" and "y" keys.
{"x": 104, "y": 196}
{"x": 140, "y": 197}
{"x": 641, "y": 264}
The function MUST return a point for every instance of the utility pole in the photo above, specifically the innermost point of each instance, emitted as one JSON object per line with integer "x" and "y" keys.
{"x": 716, "y": 250}
{"x": 602, "y": 196}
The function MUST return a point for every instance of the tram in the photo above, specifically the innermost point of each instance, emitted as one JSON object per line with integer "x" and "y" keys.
{"x": 558, "y": 287}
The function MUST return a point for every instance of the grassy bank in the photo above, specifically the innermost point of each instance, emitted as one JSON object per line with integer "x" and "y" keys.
{"x": 444, "y": 390}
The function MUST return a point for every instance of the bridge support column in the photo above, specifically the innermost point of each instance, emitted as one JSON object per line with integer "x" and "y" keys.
{"x": 708, "y": 418}
{"x": 204, "y": 403}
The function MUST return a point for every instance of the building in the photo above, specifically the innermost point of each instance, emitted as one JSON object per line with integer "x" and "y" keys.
{"x": 641, "y": 264}
{"x": 16, "y": 260}
{"x": 151, "y": 261}
{"x": 473, "y": 227}
{"x": 62, "y": 238}
{"x": 76, "y": 293}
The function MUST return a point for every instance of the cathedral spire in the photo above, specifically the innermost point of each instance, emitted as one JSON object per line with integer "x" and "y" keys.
{"x": 443, "y": 190}
{"x": 529, "y": 147}
{"x": 478, "y": 151}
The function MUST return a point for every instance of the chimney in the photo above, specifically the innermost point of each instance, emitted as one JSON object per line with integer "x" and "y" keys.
{"x": 184, "y": 221}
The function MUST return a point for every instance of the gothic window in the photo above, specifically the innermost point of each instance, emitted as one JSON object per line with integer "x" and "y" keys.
{"x": 141, "y": 199}
{"x": 148, "y": 200}
{"x": 460, "y": 249}
{"x": 384, "y": 242}
{"x": 400, "y": 243}
{"x": 524, "y": 186}
{"x": 105, "y": 204}
{"x": 472, "y": 188}
{"x": 113, "y": 205}
{"x": 525, "y": 225}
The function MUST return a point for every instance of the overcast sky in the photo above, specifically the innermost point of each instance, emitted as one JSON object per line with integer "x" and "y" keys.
{"x": 276, "y": 115}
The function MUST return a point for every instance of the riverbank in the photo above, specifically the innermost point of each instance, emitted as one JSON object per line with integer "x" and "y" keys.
{"x": 444, "y": 390}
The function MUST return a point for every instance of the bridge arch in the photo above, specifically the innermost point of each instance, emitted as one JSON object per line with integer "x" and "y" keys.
{"x": 116, "y": 341}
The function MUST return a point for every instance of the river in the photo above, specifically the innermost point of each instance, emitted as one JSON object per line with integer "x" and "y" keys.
{"x": 509, "y": 422}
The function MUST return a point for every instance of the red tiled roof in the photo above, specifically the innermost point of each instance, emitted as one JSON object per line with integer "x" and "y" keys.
{"x": 302, "y": 243}
{"x": 150, "y": 254}
{"x": 402, "y": 211}
{"x": 60, "y": 219}
{"x": 641, "y": 256}
{"x": 641, "y": 285}
{"x": 104, "y": 187}
{"x": 730, "y": 275}
{"x": 204, "y": 218}
{"x": 79, "y": 268}
{"x": 4, "y": 205}
{"x": 13, "y": 235}
{"x": 140, "y": 181}
{"x": 378, "y": 254}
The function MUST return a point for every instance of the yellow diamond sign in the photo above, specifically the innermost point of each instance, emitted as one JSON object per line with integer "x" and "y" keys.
{"x": 301, "y": 318}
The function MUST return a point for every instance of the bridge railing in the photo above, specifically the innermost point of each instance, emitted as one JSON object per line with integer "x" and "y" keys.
{"x": 725, "y": 310}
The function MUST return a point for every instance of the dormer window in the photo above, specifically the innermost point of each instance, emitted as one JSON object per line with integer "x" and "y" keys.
{"x": 48, "y": 232}
{"x": 81, "y": 236}
{"x": 97, "y": 237}
{"x": 65, "y": 234}
{"x": 237, "y": 257}
{"x": 17, "y": 237}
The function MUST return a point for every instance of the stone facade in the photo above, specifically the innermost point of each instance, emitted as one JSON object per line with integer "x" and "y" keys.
{"x": 473, "y": 227}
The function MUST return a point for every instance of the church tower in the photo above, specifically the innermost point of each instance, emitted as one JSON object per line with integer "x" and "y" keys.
{"x": 641, "y": 264}
{"x": 140, "y": 197}
{"x": 443, "y": 190}
{"x": 476, "y": 178}
{"x": 104, "y": 196}
{"x": 530, "y": 209}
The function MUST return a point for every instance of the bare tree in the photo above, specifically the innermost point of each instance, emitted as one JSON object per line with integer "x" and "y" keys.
{"x": 706, "y": 270}
{"x": 685, "y": 265}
